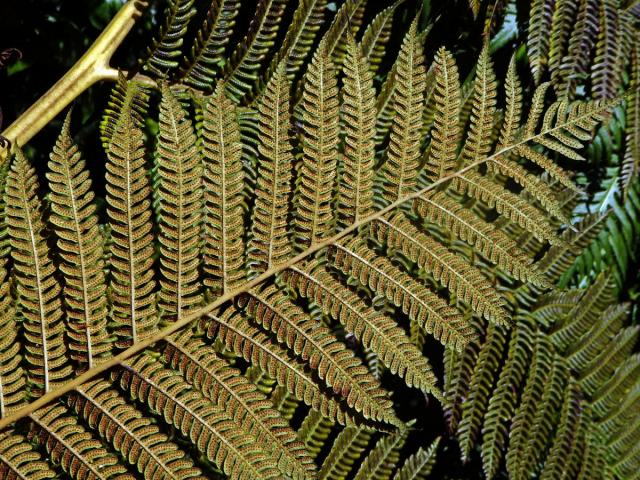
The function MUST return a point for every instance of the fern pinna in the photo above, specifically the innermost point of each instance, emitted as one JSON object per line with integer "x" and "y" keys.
{"x": 292, "y": 237}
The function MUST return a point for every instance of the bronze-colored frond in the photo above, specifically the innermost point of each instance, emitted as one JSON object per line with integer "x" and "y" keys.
{"x": 377, "y": 35}
{"x": 40, "y": 305}
{"x": 540, "y": 19}
{"x": 81, "y": 250}
{"x": 19, "y": 460}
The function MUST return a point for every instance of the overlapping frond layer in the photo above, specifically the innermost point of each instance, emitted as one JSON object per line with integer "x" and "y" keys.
{"x": 207, "y": 56}
{"x": 203, "y": 368}
{"x": 245, "y": 64}
{"x": 355, "y": 188}
{"x": 40, "y": 306}
{"x": 314, "y": 218}
{"x": 73, "y": 215}
{"x": 68, "y": 444}
{"x": 454, "y": 273}
{"x": 270, "y": 244}
{"x": 131, "y": 247}
{"x": 347, "y": 449}
{"x": 419, "y": 465}
{"x": 631, "y": 163}
{"x": 223, "y": 185}
{"x": 164, "y": 53}
{"x": 179, "y": 199}
{"x": 135, "y": 436}
{"x": 400, "y": 170}
{"x": 604, "y": 68}
{"x": 382, "y": 459}
{"x": 376, "y": 331}
{"x": 445, "y": 133}
{"x": 335, "y": 364}
{"x": 581, "y": 42}
{"x": 19, "y": 460}
{"x": 254, "y": 345}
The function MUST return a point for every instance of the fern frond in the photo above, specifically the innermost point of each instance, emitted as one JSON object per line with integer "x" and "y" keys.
{"x": 346, "y": 23}
{"x": 335, "y": 364}
{"x": 604, "y": 71}
{"x": 255, "y": 346}
{"x": 245, "y": 63}
{"x": 347, "y": 449}
{"x": 81, "y": 249}
{"x": 540, "y": 20}
{"x": 131, "y": 248}
{"x": 610, "y": 394}
{"x": 70, "y": 445}
{"x": 445, "y": 133}
{"x": 631, "y": 163}
{"x": 135, "y": 436}
{"x": 513, "y": 108}
{"x": 489, "y": 241}
{"x": 163, "y": 54}
{"x": 355, "y": 189}
{"x": 400, "y": 170}
{"x": 223, "y": 195}
{"x": 242, "y": 401}
{"x": 314, "y": 216}
{"x": 209, "y": 426}
{"x": 562, "y": 23}
{"x": 419, "y": 465}
{"x": 581, "y": 43}
{"x": 377, "y": 35}
{"x": 38, "y": 289}
{"x": 19, "y": 460}
{"x": 207, "y": 58}
{"x": 270, "y": 244}
{"x": 12, "y": 377}
{"x": 377, "y": 332}
{"x": 179, "y": 205}
{"x": 314, "y": 432}
{"x": 383, "y": 458}
{"x": 451, "y": 270}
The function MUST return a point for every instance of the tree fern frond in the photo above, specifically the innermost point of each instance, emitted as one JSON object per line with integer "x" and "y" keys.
{"x": 400, "y": 170}
{"x": 314, "y": 432}
{"x": 81, "y": 249}
{"x": 70, "y": 445}
{"x": 581, "y": 42}
{"x": 562, "y": 23}
{"x": 131, "y": 248}
{"x": 419, "y": 465}
{"x": 38, "y": 289}
{"x": 604, "y": 71}
{"x": 223, "y": 186}
{"x": 377, "y": 35}
{"x": 242, "y": 401}
{"x": 383, "y": 458}
{"x": 179, "y": 197}
{"x": 245, "y": 63}
{"x": 335, "y": 364}
{"x": 513, "y": 108}
{"x": 609, "y": 395}
{"x": 19, "y": 460}
{"x": 346, "y": 23}
{"x": 489, "y": 241}
{"x": 355, "y": 190}
{"x": 164, "y": 53}
{"x": 208, "y": 425}
{"x": 206, "y": 58}
{"x": 377, "y": 332}
{"x": 255, "y": 346}
{"x": 135, "y": 436}
{"x": 452, "y": 271}
{"x": 314, "y": 216}
{"x": 12, "y": 377}
{"x": 347, "y": 449}
{"x": 540, "y": 20}
{"x": 631, "y": 162}
{"x": 270, "y": 244}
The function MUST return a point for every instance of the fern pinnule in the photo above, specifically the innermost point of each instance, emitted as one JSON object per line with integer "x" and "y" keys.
{"x": 452, "y": 271}
{"x": 179, "y": 199}
{"x": 344, "y": 27}
{"x": 74, "y": 220}
{"x": 355, "y": 188}
{"x": 71, "y": 446}
{"x": 581, "y": 43}
{"x": 604, "y": 69}
{"x": 223, "y": 195}
{"x": 377, "y": 332}
{"x": 246, "y": 340}
{"x": 245, "y": 62}
{"x": 314, "y": 213}
{"x": 333, "y": 362}
{"x": 421, "y": 304}
{"x": 513, "y": 108}
{"x": 488, "y": 240}
{"x": 206, "y": 58}
{"x": 540, "y": 19}
{"x": 203, "y": 368}
{"x": 346, "y": 450}
{"x": 400, "y": 171}
{"x": 207, "y": 424}
{"x": 35, "y": 274}
{"x": 445, "y": 133}
{"x": 384, "y": 456}
{"x": 12, "y": 377}
{"x": 631, "y": 162}
{"x": 135, "y": 436}
{"x": 131, "y": 248}
{"x": 270, "y": 244}
{"x": 562, "y": 23}
{"x": 20, "y": 460}
{"x": 419, "y": 465}
{"x": 377, "y": 35}
{"x": 164, "y": 53}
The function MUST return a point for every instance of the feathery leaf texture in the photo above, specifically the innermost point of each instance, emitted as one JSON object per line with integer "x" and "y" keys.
{"x": 19, "y": 460}
{"x": 419, "y": 465}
